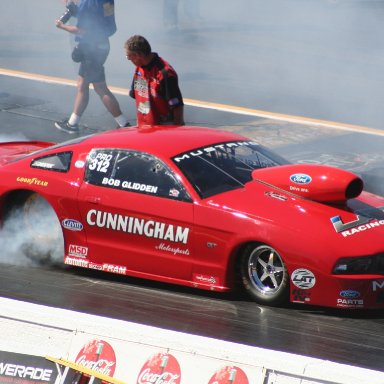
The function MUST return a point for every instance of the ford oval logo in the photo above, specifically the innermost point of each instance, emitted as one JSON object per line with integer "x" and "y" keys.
{"x": 300, "y": 178}
{"x": 72, "y": 225}
{"x": 350, "y": 294}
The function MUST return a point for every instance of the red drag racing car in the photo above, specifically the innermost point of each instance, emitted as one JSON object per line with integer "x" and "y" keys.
{"x": 198, "y": 207}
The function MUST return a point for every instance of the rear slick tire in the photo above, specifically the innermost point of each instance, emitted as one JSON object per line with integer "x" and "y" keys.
{"x": 39, "y": 236}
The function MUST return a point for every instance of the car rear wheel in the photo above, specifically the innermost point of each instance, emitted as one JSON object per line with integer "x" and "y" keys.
{"x": 35, "y": 228}
{"x": 264, "y": 275}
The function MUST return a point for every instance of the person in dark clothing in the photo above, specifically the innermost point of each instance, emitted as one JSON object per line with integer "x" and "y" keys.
{"x": 171, "y": 12}
{"x": 95, "y": 24}
{"x": 155, "y": 85}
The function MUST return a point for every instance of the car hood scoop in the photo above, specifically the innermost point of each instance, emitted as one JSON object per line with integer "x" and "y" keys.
{"x": 316, "y": 182}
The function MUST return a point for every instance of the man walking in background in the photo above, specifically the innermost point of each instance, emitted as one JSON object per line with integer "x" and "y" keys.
{"x": 155, "y": 85}
{"x": 95, "y": 24}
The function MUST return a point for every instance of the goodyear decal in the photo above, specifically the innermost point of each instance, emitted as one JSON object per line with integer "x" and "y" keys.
{"x": 32, "y": 181}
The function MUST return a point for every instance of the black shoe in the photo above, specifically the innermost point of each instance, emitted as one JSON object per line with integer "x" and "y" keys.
{"x": 126, "y": 125}
{"x": 66, "y": 127}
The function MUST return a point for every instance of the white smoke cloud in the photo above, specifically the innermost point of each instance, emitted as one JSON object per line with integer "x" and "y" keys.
{"x": 28, "y": 243}
{"x": 14, "y": 137}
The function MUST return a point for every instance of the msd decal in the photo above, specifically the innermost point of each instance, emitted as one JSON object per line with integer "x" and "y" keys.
{"x": 77, "y": 250}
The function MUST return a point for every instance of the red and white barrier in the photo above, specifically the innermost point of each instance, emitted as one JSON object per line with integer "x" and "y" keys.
{"x": 134, "y": 353}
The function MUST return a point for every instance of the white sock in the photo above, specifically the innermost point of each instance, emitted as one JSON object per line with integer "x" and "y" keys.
{"x": 74, "y": 119}
{"x": 121, "y": 120}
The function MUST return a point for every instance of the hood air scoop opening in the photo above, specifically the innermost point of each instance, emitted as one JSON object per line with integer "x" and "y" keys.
{"x": 316, "y": 182}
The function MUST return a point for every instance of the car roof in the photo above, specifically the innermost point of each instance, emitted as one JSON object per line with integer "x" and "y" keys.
{"x": 161, "y": 140}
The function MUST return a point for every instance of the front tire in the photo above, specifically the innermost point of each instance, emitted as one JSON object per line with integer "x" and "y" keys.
{"x": 264, "y": 275}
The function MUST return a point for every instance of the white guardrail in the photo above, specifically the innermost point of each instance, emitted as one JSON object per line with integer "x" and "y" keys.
{"x": 134, "y": 353}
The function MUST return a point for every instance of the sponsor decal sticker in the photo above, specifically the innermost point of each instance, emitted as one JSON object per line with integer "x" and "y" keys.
{"x": 77, "y": 250}
{"x": 300, "y": 178}
{"x": 301, "y": 296}
{"x": 79, "y": 164}
{"x": 205, "y": 279}
{"x": 175, "y": 250}
{"x": 25, "y": 369}
{"x": 136, "y": 226}
{"x": 42, "y": 164}
{"x": 76, "y": 262}
{"x": 99, "y": 356}
{"x": 377, "y": 285}
{"x": 114, "y": 268}
{"x": 350, "y": 303}
{"x": 174, "y": 192}
{"x": 98, "y": 267}
{"x": 129, "y": 185}
{"x": 32, "y": 181}
{"x": 100, "y": 162}
{"x": 276, "y": 195}
{"x": 206, "y": 150}
{"x": 303, "y": 278}
{"x": 72, "y": 225}
{"x": 229, "y": 374}
{"x": 350, "y": 294}
{"x": 160, "y": 368}
{"x": 361, "y": 224}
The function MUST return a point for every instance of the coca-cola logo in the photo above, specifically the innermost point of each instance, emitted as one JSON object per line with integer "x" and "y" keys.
{"x": 229, "y": 375}
{"x": 161, "y": 368}
{"x": 99, "y": 356}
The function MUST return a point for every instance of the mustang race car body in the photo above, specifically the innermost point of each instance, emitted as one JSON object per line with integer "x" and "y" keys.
{"x": 198, "y": 207}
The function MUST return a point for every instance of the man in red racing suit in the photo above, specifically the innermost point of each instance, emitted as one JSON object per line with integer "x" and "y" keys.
{"x": 154, "y": 87}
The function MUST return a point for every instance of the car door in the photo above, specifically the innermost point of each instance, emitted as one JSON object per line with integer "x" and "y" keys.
{"x": 137, "y": 216}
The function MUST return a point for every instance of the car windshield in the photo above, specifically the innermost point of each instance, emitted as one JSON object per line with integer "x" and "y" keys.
{"x": 224, "y": 166}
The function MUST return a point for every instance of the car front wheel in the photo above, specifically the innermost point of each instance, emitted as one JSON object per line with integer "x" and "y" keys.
{"x": 264, "y": 275}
